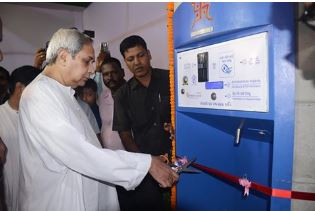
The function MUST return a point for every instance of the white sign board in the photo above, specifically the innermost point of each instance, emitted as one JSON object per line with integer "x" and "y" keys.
{"x": 231, "y": 75}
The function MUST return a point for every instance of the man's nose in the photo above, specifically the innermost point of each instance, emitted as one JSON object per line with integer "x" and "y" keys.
{"x": 137, "y": 60}
{"x": 84, "y": 98}
{"x": 91, "y": 68}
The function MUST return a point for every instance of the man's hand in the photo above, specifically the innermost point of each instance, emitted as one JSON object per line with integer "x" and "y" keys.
{"x": 3, "y": 151}
{"x": 40, "y": 57}
{"x": 168, "y": 127}
{"x": 99, "y": 60}
{"x": 128, "y": 142}
{"x": 162, "y": 172}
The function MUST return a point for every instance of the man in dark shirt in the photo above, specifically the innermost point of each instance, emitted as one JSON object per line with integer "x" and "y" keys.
{"x": 141, "y": 109}
{"x": 4, "y": 85}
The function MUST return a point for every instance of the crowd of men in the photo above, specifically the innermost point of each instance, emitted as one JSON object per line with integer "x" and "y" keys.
{"x": 70, "y": 141}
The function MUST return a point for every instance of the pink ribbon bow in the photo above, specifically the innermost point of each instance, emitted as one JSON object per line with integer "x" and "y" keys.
{"x": 181, "y": 161}
{"x": 246, "y": 184}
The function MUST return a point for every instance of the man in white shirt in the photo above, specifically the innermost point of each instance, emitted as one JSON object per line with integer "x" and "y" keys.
{"x": 19, "y": 79}
{"x": 113, "y": 78}
{"x": 89, "y": 113}
{"x": 62, "y": 162}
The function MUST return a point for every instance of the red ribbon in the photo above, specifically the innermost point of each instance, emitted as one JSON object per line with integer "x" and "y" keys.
{"x": 274, "y": 192}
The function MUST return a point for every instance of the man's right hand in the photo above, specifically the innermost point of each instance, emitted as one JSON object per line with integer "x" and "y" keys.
{"x": 99, "y": 60}
{"x": 162, "y": 172}
{"x": 40, "y": 57}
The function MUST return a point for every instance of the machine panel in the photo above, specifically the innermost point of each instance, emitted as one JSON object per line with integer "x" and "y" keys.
{"x": 231, "y": 75}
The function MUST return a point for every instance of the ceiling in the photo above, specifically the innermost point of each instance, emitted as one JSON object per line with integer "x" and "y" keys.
{"x": 77, "y": 4}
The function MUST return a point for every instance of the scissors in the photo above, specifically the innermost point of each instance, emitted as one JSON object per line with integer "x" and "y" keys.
{"x": 181, "y": 164}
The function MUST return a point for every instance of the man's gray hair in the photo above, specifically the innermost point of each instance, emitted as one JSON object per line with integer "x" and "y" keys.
{"x": 69, "y": 39}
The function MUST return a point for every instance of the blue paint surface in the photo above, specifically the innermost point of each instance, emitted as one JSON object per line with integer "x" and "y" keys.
{"x": 214, "y": 85}
{"x": 265, "y": 152}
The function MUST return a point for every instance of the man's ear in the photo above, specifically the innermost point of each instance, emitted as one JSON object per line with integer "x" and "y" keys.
{"x": 63, "y": 56}
{"x": 19, "y": 87}
{"x": 149, "y": 53}
{"x": 123, "y": 72}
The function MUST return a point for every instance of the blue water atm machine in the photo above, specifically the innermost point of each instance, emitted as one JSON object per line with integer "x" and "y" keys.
{"x": 234, "y": 89}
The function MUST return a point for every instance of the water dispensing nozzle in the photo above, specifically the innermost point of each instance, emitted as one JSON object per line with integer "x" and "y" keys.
{"x": 238, "y": 132}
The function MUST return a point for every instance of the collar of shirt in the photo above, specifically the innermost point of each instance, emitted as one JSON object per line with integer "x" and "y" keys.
{"x": 66, "y": 89}
{"x": 134, "y": 83}
{"x": 9, "y": 108}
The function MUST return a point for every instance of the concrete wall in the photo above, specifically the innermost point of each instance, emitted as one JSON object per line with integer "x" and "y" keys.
{"x": 304, "y": 144}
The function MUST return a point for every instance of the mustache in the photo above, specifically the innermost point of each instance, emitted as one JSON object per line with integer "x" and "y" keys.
{"x": 112, "y": 81}
{"x": 138, "y": 67}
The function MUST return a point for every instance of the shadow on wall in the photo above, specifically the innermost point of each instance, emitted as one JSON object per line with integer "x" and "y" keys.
{"x": 306, "y": 52}
{"x": 305, "y": 43}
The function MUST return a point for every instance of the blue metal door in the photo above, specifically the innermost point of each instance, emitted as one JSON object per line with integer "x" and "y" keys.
{"x": 263, "y": 152}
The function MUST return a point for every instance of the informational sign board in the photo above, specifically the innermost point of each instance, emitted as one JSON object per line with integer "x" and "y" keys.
{"x": 231, "y": 75}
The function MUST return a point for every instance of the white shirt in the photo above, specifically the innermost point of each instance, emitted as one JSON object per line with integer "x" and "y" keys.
{"x": 9, "y": 135}
{"x": 89, "y": 113}
{"x": 110, "y": 138}
{"x": 61, "y": 157}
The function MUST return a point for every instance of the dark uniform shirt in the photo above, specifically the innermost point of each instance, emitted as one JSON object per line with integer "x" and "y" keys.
{"x": 144, "y": 110}
{"x": 4, "y": 98}
{"x": 96, "y": 111}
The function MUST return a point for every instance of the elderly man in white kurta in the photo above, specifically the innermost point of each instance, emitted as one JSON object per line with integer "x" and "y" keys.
{"x": 63, "y": 165}
{"x": 8, "y": 133}
{"x": 19, "y": 79}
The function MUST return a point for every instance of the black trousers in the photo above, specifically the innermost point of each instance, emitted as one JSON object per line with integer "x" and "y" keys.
{"x": 147, "y": 196}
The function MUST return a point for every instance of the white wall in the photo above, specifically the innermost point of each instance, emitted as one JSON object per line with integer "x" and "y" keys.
{"x": 304, "y": 141}
{"x": 27, "y": 28}
{"x": 113, "y": 22}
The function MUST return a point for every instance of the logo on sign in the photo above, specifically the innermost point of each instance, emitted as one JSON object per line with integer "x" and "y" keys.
{"x": 226, "y": 69}
{"x": 201, "y": 10}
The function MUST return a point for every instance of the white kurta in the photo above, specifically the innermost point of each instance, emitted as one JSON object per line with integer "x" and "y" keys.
{"x": 110, "y": 138}
{"x": 89, "y": 113}
{"x": 9, "y": 135}
{"x": 61, "y": 157}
